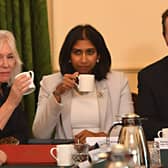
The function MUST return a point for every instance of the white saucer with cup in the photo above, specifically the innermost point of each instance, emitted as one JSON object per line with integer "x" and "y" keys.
{"x": 32, "y": 86}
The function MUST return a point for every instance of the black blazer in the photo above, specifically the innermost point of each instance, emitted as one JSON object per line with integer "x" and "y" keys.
{"x": 17, "y": 124}
{"x": 152, "y": 101}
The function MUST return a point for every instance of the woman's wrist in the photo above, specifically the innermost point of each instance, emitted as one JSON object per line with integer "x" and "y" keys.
{"x": 56, "y": 93}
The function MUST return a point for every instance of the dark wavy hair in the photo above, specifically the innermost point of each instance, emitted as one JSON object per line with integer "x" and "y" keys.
{"x": 164, "y": 16}
{"x": 83, "y": 32}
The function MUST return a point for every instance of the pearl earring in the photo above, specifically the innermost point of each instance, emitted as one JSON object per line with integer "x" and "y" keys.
{"x": 97, "y": 60}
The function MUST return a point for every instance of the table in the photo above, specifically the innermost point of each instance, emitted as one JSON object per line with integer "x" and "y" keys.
{"x": 42, "y": 166}
{"x": 100, "y": 165}
{"x": 28, "y": 166}
{"x": 31, "y": 156}
{"x": 28, "y": 154}
{"x": 37, "y": 156}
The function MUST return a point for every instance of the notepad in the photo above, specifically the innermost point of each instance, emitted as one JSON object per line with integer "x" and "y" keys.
{"x": 100, "y": 140}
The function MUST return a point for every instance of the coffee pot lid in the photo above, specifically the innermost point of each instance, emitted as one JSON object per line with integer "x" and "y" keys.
{"x": 131, "y": 115}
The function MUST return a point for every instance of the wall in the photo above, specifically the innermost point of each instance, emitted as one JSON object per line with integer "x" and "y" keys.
{"x": 132, "y": 30}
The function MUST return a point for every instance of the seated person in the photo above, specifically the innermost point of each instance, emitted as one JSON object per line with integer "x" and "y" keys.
{"x": 67, "y": 112}
{"x": 152, "y": 101}
{"x": 12, "y": 118}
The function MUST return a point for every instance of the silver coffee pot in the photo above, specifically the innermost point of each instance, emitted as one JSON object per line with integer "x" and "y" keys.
{"x": 132, "y": 137}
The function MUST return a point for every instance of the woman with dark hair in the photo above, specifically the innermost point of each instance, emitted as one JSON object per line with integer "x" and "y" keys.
{"x": 101, "y": 69}
{"x": 67, "y": 112}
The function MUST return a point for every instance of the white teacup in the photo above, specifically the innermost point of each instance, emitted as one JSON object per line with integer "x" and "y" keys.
{"x": 163, "y": 133}
{"x": 32, "y": 85}
{"x": 63, "y": 154}
{"x": 86, "y": 82}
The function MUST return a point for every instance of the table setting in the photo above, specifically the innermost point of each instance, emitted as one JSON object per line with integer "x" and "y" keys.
{"x": 95, "y": 152}
{"x": 39, "y": 155}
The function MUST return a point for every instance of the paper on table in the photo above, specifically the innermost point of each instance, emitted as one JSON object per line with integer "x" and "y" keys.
{"x": 96, "y": 154}
{"x": 163, "y": 145}
{"x": 163, "y": 142}
{"x": 100, "y": 140}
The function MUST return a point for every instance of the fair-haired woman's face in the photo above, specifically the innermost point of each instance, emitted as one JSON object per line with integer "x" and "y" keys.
{"x": 7, "y": 62}
{"x": 83, "y": 56}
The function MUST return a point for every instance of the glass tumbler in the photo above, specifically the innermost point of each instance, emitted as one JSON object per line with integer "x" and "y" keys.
{"x": 154, "y": 151}
{"x": 80, "y": 153}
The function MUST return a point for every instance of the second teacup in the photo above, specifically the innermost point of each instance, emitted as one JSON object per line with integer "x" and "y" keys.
{"x": 163, "y": 133}
{"x": 32, "y": 85}
{"x": 86, "y": 82}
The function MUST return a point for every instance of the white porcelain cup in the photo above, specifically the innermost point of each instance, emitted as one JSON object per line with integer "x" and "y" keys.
{"x": 32, "y": 86}
{"x": 86, "y": 82}
{"x": 163, "y": 133}
{"x": 63, "y": 154}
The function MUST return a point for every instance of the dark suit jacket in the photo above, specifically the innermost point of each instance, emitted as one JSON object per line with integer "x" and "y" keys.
{"x": 152, "y": 101}
{"x": 17, "y": 124}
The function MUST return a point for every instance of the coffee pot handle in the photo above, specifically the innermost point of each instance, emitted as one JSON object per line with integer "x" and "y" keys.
{"x": 116, "y": 123}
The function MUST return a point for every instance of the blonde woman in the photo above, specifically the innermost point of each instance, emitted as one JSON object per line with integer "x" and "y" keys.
{"x": 12, "y": 118}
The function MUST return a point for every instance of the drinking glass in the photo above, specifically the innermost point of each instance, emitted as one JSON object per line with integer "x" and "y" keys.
{"x": 80, "y": 153}
{"x": 154, "y": 154}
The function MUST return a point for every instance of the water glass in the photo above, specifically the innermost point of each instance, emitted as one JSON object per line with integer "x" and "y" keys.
{"x": 154, "y": 151}
{"x": 80, "y": 153}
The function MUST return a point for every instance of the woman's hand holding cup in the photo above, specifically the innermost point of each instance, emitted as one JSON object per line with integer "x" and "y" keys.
{"x": 68, "y": 82}
{"x": 22, "y": 85}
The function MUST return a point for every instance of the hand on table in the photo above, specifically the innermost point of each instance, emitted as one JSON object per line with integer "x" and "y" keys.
{"x": 81, "y": 137}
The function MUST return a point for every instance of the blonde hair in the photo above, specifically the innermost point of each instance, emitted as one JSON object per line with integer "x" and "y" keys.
{"x": 7, "y": 36}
